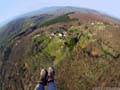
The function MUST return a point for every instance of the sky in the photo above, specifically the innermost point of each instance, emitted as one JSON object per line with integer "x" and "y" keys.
{"x": 12, "y": 8}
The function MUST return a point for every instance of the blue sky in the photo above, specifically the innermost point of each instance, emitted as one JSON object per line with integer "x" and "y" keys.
{"x": 11, "y": 8}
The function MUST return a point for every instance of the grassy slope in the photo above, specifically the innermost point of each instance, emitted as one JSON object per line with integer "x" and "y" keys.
{"x": 84, "y": 57}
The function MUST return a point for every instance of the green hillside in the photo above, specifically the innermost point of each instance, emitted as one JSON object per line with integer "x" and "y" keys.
{"x": 83, "y": 48}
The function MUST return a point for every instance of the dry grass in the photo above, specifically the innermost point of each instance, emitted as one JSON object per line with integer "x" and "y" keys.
{"x": 84, "y": 72}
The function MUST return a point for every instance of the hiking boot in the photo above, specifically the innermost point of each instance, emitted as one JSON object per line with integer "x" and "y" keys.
{"x": 51, "y": 74}
{"x": 43, "y": 77}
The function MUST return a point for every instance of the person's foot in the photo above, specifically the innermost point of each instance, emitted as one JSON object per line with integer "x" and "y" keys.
{"x": 43, "y": 76}
{"x": 51, "y": 74}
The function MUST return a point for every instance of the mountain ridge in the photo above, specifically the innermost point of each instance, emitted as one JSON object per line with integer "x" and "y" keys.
{"x": 53, "y": 9}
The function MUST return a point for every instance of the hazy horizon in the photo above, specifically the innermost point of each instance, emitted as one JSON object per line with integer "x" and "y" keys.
{"x": 9, "y": 9}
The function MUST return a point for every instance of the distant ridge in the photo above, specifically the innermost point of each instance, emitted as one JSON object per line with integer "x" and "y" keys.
{"x": 53, "y": 9}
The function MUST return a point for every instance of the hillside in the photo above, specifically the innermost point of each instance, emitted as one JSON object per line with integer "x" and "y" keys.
{"x": 83, "y": 45}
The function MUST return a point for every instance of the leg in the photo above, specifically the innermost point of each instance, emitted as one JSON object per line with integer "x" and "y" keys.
{"x": 43, "y": 80}
{"x": 39, "y": 87}
{"x": 51, "y": 83}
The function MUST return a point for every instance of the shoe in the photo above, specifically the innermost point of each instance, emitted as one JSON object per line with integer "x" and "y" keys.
{"x": 43, "y": 77}
{"x": 51, "y": 74}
